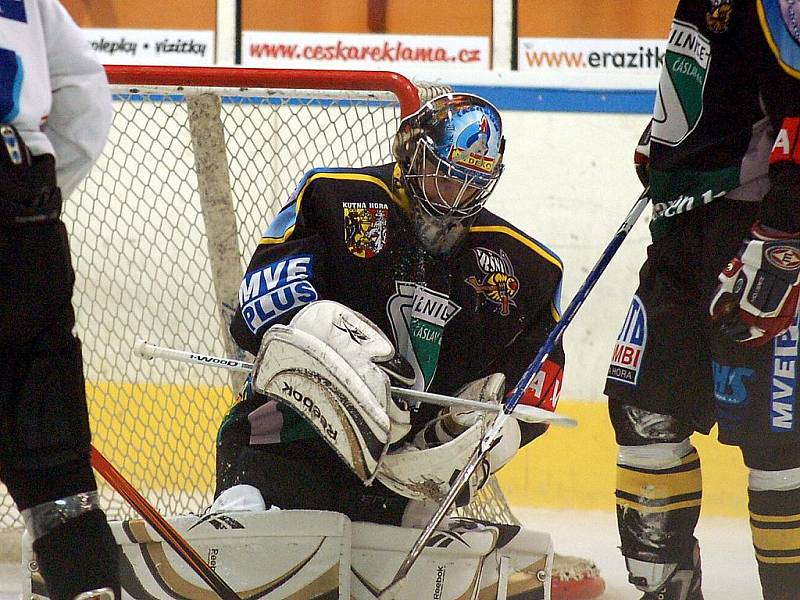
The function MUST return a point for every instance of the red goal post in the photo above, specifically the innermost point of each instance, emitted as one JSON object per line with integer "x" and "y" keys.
{"x": 199, "y": 160}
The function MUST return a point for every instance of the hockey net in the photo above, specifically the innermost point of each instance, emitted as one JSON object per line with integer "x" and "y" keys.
{"x": 198, "y": 161}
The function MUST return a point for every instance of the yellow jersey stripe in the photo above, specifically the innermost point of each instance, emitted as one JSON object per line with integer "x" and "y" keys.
{"x": 539, "y": 249}
{"x": 777, "y": 560}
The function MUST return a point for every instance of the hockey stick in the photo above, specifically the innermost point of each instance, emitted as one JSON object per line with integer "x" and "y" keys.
{"x": 528, "y": 414}
{"x": 162, "y": 526}
{"x": 494, "y": 430}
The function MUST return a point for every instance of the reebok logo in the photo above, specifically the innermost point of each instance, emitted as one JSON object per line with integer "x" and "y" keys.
{"x": 298, "y": 398}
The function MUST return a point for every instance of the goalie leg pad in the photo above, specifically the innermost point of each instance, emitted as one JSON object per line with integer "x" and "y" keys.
{"x": 315, "y": 554}
{"x": 469, "y": 559}
{"x": 279, "y": 554}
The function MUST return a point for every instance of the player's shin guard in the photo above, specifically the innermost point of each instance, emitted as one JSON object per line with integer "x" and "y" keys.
{"x": 775, "y": 523}
{"x": 75, "y": 549}
{"x": 659, "y": 489}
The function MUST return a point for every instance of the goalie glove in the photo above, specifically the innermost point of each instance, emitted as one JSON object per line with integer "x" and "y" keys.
{"x": 424, "y": 470}
{"x": 756, "y": 299}
{"x": 454, "y": 421}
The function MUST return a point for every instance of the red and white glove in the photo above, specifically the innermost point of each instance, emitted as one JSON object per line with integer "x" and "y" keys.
{"x": 641, "y": 156}
{"x": 756, "y": 299}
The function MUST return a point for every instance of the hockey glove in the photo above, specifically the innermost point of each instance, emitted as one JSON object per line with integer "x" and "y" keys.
{"x": 457, "y": 420}
{"x": 641, "y": 157}
{"x": 756, "y": 299}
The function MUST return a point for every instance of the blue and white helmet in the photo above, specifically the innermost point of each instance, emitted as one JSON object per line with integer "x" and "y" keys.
{"x": 450, "y": 154}
{"x": 458, "y": 137}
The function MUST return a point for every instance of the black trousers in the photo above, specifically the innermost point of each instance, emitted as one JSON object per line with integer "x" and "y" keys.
{"x": 684, "y": 366}
{"x": 44, "y": 420}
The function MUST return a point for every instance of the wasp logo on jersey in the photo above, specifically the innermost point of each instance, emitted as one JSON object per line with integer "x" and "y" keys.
{"x": 627, "y": 358}
{"x": 365, "y": 227}
{"x": 271, "y": 291}
{"x": 718, "y": 17}
{"x": 498, "y": 283}
{"x": 783, "y": 397}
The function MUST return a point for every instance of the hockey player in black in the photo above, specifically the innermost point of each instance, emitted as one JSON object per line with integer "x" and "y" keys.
{"x": 461, "y": 294}
{"x": 712, "y": 333}
{"x": 55, "y": 112}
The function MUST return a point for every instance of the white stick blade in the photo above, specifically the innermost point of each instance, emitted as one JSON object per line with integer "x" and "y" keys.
{"x": 533, "y": 414}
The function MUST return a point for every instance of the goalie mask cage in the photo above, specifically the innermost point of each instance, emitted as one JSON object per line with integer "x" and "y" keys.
{"x": 198, "y": 161}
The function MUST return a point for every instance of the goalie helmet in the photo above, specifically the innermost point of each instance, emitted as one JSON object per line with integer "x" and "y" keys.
{"x": 450, "y": 154}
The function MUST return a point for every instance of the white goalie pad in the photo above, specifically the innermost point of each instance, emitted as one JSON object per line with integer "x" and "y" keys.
{"x": 314, "y": 555}
{"x": 471, "y": 559}
{"x": 268, "y": 555}
{"x": 323, "y": 364}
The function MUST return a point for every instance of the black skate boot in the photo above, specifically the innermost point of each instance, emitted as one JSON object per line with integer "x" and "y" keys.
{"x": 682, "y": 584}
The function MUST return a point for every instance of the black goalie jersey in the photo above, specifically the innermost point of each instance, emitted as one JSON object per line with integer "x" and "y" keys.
{"x": 345, "y": 235}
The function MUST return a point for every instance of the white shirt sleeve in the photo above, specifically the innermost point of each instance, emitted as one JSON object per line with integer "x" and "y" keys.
{"x": 81, "y": 112}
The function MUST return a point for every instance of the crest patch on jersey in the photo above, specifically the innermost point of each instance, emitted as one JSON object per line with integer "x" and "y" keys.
{"x": 269, "y": 292}
{"x": 497, "y": 283}
{"x": 718, "y": 17}
{"x": 780, "y": 21}
{"x": 418, "y": 316}
{"x": 365, "y": 227}
{"x": 627, "y": 358}
{"x": 14, "y": 10}
{"x": 679, "y": 102}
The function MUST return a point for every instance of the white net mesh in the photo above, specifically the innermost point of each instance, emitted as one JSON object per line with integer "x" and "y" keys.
{"x": 160, "y": 232}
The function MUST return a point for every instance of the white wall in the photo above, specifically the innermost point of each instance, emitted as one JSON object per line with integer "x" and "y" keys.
{"x": 570, "y": 182}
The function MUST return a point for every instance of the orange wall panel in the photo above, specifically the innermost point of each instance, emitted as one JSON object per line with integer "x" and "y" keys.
{"x": 143, "y": 14}
{"x": 425, "y": 17}
{"x": 611, "y": 19}
{"x": 536, "y": 18}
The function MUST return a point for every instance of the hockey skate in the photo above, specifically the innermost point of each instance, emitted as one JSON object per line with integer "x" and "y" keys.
{"x": 683, "y": 584}
{"x": 575, "y": 578}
